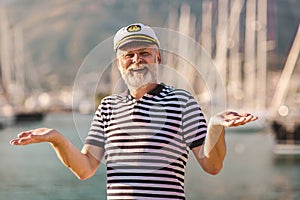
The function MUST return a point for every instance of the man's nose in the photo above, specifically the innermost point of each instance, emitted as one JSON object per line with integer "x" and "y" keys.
{"x": 136, "y": 58}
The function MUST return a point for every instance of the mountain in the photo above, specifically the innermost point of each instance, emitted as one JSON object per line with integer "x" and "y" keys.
{"x": 59, "y": 34}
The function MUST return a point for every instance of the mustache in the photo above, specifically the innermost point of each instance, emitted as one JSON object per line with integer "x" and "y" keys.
{"x": 137, "y": 66}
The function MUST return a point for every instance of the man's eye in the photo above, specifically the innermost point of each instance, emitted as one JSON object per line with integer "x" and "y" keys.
{"x": 129, "y": 55}
{"x": 144, "y": 53}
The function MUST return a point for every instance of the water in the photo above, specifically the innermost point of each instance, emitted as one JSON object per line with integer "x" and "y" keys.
{"x": 250, "y": 169}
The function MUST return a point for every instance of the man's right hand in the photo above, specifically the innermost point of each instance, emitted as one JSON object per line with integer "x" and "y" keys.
{"x": 36, "y": 136}
{"x": 82, "y": 164}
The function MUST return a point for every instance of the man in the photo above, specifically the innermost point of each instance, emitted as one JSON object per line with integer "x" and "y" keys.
{"x": 144, "y": 134}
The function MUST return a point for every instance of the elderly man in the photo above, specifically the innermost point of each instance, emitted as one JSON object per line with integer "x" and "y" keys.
{"x": 145, "y": 133}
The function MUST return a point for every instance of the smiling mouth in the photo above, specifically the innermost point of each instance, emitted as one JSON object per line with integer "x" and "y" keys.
{"x": 139, "y": 70}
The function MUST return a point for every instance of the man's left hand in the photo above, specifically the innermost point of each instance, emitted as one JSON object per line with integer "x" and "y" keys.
{"x": 231, "y": 118}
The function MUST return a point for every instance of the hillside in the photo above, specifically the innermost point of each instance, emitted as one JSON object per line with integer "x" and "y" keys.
{"x": 58, "y": 34}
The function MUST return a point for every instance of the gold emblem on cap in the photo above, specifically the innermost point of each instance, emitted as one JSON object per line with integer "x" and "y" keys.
{"x": 134, "y": 28}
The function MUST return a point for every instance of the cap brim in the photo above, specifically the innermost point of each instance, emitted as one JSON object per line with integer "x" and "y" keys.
{"x": 138, "y": 39}
{"x": 134, "y": 43}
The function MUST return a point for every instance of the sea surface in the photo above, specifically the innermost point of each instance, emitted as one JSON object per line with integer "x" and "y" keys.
{"x": 250, "y": 171}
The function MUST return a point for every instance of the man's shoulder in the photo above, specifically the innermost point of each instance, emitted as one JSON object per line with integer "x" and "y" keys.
{"x": 171, "y": 93}
{"x": 113, "y": 98}
{"x": 177, "y": 91}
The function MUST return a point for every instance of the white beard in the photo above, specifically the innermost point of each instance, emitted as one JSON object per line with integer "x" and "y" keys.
{"x": 135, "y": 79}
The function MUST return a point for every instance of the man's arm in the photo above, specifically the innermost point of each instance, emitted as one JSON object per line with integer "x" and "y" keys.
{"x": 211, "y": 154}
{"x": 82, "y": 163}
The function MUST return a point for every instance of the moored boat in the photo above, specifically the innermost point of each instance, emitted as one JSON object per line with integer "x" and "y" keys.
{"x": 287, "y": 136}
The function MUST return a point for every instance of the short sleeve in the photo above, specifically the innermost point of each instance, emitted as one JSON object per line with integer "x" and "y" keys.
{"x": 193, "y": 124}
{"x": 96, "y": 133}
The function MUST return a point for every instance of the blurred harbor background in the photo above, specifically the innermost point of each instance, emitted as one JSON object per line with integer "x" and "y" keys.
{"x": 46, "y": 76}
{"x": 251, "y": 170}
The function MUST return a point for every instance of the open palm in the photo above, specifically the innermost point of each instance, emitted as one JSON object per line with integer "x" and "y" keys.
{"x": 231, "y": 118}
{"x": 35, "y": 136}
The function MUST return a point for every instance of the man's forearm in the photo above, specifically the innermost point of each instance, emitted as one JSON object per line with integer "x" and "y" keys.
{"x": 211, "y": 155}
{"x": 72, "y": 158}
{"x": 82, "y": 164}
{"x": 214, "y": 145}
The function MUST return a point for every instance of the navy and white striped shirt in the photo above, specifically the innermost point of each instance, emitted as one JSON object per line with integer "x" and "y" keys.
{"x": 146, "y": 142}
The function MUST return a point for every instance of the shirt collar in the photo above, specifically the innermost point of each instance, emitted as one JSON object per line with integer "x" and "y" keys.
{"x": 155, "y": 91}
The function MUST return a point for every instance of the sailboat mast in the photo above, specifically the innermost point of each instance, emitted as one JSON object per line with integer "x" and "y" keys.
{"x": 206, "y": 29}
{"x": 250, "y": 64}
{"x": 19, "y": 65}
{"x": 261, "y": 88}
{"x": 5, "y": 53}
{"x": 283, "y": 83}
{"x": 222, "y": 39}
{"x": 234, "y": 58}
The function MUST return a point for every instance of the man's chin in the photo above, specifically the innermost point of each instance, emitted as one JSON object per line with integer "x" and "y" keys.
{"x": 138, "y": 82}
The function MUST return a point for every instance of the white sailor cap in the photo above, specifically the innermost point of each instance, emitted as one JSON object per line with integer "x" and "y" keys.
{"x": 137, "y": 32}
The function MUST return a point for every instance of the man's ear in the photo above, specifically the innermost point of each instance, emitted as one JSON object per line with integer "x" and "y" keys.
{"x": 158, "y": 57}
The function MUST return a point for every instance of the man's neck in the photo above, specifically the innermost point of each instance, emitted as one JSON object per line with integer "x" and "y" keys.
{"x": 141, "y": 91}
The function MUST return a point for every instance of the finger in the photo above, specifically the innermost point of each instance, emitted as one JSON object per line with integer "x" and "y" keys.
{"x": 14, "y": 142}
{"x": 239, "y": 120}
{"x": 229, "y": 123}
{"x": 245, "y": 114}
{"x": 231, "y": 120}
{"x": 236, "y": 122}
{"x": 247, "y": 117}
{"x": 254, "y": 118}
{"x": 227, "y": 113}
{"x": 231, "y": 113}
{"x": 251, "y": 118}
{"x": 244, "y": 120}
{"x": 24, "y": 134}
{"x": 22, "y": 141}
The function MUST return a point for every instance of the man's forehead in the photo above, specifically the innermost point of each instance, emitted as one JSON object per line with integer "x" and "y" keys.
{"x": 137, "y": 47}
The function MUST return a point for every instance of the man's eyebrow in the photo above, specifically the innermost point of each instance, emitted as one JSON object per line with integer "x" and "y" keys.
{"x": 142, "y": 49}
